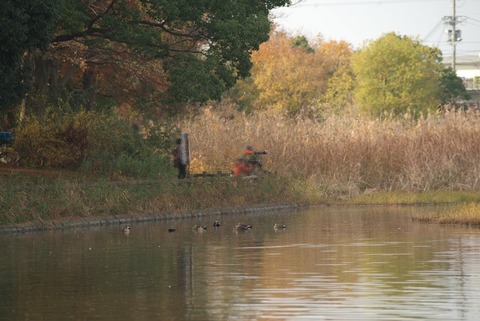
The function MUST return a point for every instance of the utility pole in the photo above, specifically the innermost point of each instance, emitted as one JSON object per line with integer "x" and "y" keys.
{"x": 454, "y": 34}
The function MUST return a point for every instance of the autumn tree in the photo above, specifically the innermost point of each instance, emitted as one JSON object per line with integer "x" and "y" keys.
{"x": 150, "y": 50}
{"x": 293, "y": 76}
{"x": 397, "y": 74}
{"x": 337, "y": 56}
{"x": 282, "y": 74}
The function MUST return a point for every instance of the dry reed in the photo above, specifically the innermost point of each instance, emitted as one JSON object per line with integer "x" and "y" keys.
{"x": 437, "y": 152}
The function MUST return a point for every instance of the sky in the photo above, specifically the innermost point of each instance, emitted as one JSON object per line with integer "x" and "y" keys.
{"x": 358, "y": 21}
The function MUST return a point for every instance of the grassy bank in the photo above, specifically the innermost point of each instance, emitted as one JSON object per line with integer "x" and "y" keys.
{"x": 37, "y": 198}
{"x": 464, "y": 214}
{"x": 42, "y": 198}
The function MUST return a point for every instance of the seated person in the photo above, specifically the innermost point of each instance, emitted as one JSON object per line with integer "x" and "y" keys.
{"x": 248, "y": 162}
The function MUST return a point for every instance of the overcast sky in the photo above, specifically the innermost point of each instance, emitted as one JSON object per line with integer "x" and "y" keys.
{"x": 357, "y": 21}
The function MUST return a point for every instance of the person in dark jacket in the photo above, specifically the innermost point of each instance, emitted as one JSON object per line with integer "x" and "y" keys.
{"x": 177, "y": 159}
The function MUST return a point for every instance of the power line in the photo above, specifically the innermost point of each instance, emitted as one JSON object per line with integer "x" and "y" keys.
{"x": 349, "y": 3}
{"x": 469, "y": 18}
{"x": 436, "y": 35}
{"x": 433, "y": 30}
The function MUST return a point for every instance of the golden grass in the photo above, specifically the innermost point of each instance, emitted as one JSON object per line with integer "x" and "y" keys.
{"x": 429, "y": 197}
{"x": 348, "y": 155}
{"x": 466, "y": 214}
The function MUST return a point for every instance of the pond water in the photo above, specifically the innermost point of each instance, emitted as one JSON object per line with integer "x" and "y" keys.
{"x": 352, "y": 263}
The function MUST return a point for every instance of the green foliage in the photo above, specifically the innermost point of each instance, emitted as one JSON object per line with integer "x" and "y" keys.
{"x": 340, "y": 87}
{"x": 12, "y": 87}
{"x": 160, "y": 136}
{"x": 168, "y": 50}
{"x": 302, "y": 42}
{"x": 27, "y": 24}
{"x": 118, "y": 149}
{"x": 96, "y": 143}
{"x": 397, "y": 74}
{"x": 196, "y": 80}
{"x": 24, "y": 25}
{"x": 72, "y": 18}
{"x": 451, "y": 87}
{"x": 244, "y": 94}
{"x": 210, "y": 41}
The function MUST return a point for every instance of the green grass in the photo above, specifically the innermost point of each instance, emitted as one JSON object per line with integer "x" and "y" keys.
{"x": 53, "y": 198}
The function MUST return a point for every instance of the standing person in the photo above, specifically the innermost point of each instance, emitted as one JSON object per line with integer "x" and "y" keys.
{"x": 177, "y": 159}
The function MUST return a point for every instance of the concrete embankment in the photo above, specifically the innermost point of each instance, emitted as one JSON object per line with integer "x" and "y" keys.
{"x": 75, "y": 223}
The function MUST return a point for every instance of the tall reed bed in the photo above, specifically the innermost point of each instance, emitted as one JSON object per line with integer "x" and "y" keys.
{"x": 351, "y": 155}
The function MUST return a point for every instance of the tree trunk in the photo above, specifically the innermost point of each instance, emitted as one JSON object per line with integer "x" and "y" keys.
{"x": 89, "y": 81}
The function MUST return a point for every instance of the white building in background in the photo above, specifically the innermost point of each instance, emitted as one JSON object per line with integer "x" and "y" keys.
{"x": 468, "y": 68}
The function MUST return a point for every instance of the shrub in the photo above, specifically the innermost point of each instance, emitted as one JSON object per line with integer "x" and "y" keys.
{"x": 50, "y": 142}
{"x": 95, "y": 143}
{"x": 119, "y": 148}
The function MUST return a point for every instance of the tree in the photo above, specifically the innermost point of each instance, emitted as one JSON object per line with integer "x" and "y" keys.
{"x": 25, "y": 25}
{"x": 284, "y": 75}
{"x": 294, "y": 77}
{"x": 397, "y": 74}
{"x": 452, "y": 88}
{"x": 158, "y": 50}
{"x": 302, "y": 42}
{"x": 338, "y": 57}
{"x": 244, "y": 94}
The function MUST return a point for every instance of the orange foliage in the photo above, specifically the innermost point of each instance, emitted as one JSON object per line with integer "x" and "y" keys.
{"x": 292, "y": 79}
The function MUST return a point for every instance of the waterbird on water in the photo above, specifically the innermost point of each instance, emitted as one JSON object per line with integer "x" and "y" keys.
{"x": 278, "y": 226}
{"x": 199, "y": 228}
{"x": 216, "y": 224}
{"x": 243, "y": 227}
{"x": 126, "y": 229}
{"x": 172, "y": 229}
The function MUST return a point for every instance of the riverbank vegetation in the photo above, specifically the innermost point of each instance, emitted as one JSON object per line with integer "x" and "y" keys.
{"x": 349, "y": 155}
{"x": 464, "y": 214}
{"x": 340, "y": 160}
{"x": 96, "y": 102}
{"x": 45, "y": 198}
